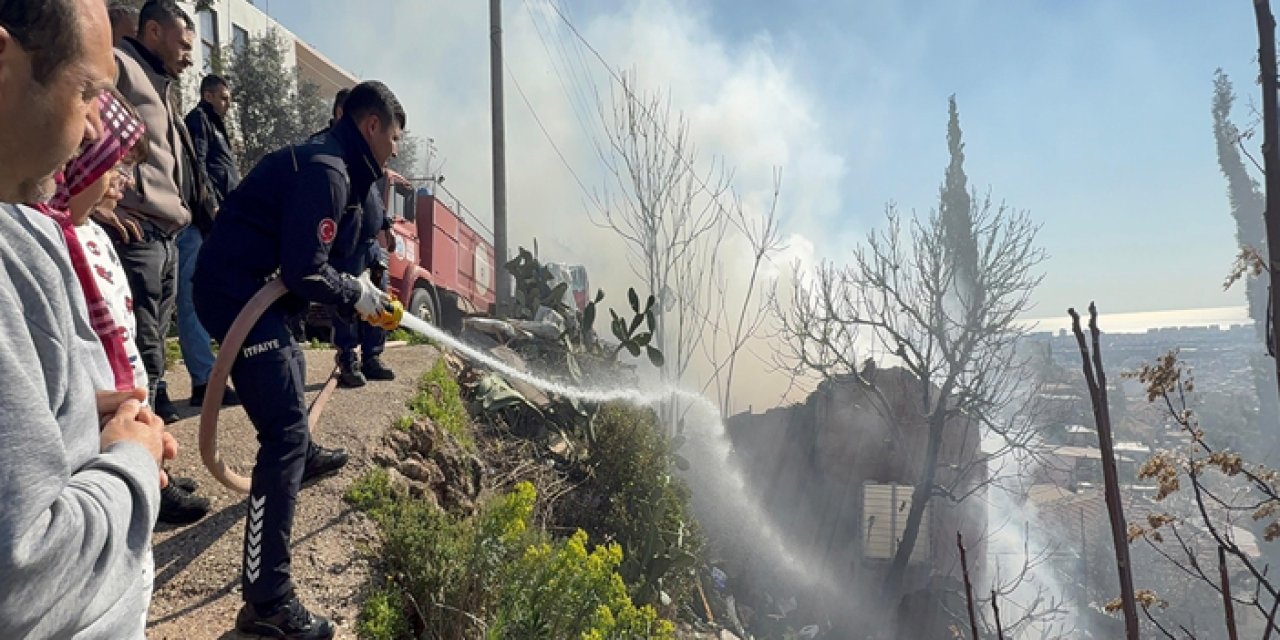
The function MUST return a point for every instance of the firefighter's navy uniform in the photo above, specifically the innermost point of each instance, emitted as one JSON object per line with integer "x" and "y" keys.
{"x": 367, "y": 254}
{"x": 291, "y": 217}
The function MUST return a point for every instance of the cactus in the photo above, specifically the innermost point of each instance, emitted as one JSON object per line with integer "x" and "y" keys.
{"x": 533, "y": 288}
{"x": 628, "y": 334}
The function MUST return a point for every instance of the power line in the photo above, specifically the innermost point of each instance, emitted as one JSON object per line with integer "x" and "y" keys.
{"x": 551, "y": 140}
{"x": 573, "y": 90}
{"x": 661, "y": 127}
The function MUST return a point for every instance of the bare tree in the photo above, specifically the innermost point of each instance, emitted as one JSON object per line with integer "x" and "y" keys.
{"x": 941, "y": 295}
{"x": 1228, "y": 496}
{"x": 668, "y": 214}
{"x": 734, "y": 323}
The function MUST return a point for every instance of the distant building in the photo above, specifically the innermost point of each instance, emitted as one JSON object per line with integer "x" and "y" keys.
{"x": 233, "y": 22}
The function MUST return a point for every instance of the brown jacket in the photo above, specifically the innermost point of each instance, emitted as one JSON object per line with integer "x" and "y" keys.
{"x": 157, "y": 195}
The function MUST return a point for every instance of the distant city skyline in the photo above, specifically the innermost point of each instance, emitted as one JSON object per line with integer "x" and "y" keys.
{"x": 1138, "y": 322}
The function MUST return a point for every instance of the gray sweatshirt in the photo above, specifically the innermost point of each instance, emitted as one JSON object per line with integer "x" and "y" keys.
{"x": 75, "y": 520}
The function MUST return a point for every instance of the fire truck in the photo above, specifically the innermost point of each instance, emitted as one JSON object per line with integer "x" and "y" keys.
{"x": 441, "y": 267}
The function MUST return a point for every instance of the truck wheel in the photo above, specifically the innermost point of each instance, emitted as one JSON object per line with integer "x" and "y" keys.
{"x": 422, "y": 305}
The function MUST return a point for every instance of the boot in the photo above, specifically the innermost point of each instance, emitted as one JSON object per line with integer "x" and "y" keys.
{"x": 229, "y": 396}
{"x": 349, "y": 374}
{"x": 164, "y": 407}
{"x": 323, "y": 462}
{"x": 373, "y": 369}
{"x": 289, "y": 620}
{"x": 178, "y": 506}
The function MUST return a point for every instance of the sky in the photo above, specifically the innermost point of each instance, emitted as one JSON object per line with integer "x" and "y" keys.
{"x": 1091, "y": 115}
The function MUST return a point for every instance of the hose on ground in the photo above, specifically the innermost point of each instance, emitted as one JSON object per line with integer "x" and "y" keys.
{"x": 228, "y": 350}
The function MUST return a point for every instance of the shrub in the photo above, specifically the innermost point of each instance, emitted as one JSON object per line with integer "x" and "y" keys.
{"x": 648, "y": 511}
{"x": 372, "y": 492}
{"x": 172, "y": 352}
{"x": 439, "y": 398}
{"x": 383, "y": 616}
{"x": 562, "y": 591}
{"x": 492, "y": 575}
{"x": 404, "y": 423}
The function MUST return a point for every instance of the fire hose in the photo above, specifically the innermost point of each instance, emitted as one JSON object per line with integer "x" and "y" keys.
{"x": 229, "y": 349}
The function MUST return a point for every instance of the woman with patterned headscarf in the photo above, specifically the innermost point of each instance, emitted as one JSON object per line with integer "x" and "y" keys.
{"x": 96, "y": 179}
{"x": 88, "y": 181}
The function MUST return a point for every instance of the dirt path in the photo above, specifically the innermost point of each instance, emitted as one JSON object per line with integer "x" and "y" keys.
{"x": 197, "y": 591}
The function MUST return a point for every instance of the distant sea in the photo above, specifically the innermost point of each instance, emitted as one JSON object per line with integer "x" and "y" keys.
{"x": 1140, "y": 322}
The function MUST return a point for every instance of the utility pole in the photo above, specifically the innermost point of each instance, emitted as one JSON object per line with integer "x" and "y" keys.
{"x": 499, "y": 158}
{"x": 1270, "y": 160}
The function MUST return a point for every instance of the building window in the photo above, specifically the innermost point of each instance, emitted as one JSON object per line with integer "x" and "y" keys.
{"x": 884, "y": 516}
{"x": 239, "y": 39}
{"x": 209, "y": 42}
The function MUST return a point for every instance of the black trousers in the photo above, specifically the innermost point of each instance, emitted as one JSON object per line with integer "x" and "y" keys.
{"x": 151, "y": 265}
{"x": 270, "y": 376}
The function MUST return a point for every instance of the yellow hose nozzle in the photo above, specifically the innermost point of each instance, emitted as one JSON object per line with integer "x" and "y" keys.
{"x": 389, "y": 318}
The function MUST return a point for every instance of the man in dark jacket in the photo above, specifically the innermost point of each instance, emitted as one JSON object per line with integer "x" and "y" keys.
{"x": 355, "y": 370}
{"x": 211, "y": 151}
{"x": 208, "y": 129}
{"x": 291, "y": 216}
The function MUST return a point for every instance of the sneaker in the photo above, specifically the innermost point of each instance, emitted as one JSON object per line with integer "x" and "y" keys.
{"x": 164, "y": 407}
{"x": 324, "y": 462}
{"x": 179, "y": 506}
{"x": 290, "y": 620}
{"x": 186, "y": 484}
{"x": 373, "y": 369}
{"x": 349, "y": 375}
{"x": 229, "y": 396}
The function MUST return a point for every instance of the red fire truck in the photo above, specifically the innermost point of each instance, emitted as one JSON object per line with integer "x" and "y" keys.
{"x": 440, "y": 266}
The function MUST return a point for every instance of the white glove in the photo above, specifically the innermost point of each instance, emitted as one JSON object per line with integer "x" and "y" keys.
{"x": 372, "y": 300}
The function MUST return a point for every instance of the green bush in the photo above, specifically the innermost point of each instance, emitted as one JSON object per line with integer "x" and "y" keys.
{"x": 559, "y": 590}
{"x": 439, "y": 398}
{"x": 172, "y": 352}
{"x": 404, "y": 423}
{"x": 493, "y": 576}
{"x": 648, "y": 510}
{"x": 372, "y": 492}
{"x": 383, "y": 616}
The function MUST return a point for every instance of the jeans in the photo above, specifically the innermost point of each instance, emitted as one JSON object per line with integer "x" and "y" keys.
{"x": 192, "y": 338}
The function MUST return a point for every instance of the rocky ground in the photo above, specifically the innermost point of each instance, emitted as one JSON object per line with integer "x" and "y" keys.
{"x": 197, "y": 567}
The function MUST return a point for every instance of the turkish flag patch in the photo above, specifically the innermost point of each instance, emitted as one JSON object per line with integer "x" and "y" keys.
{"x": 327, "y": 231}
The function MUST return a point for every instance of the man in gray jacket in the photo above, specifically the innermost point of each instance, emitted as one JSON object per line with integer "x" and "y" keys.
{"x": 79, "y": 471}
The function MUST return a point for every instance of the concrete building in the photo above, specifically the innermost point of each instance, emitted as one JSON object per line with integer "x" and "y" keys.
{"x": 231, "y": 23}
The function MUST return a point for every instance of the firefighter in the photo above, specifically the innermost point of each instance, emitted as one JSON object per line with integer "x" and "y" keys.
{"x": 291, "y": 216}
{"x": 355, "y": 370}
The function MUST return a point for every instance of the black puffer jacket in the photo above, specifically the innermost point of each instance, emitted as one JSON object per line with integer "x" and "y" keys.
{"x": 213, "y": 148}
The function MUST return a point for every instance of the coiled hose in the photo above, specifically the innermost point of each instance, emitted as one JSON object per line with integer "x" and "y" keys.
{"x": 227, "y": 353}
